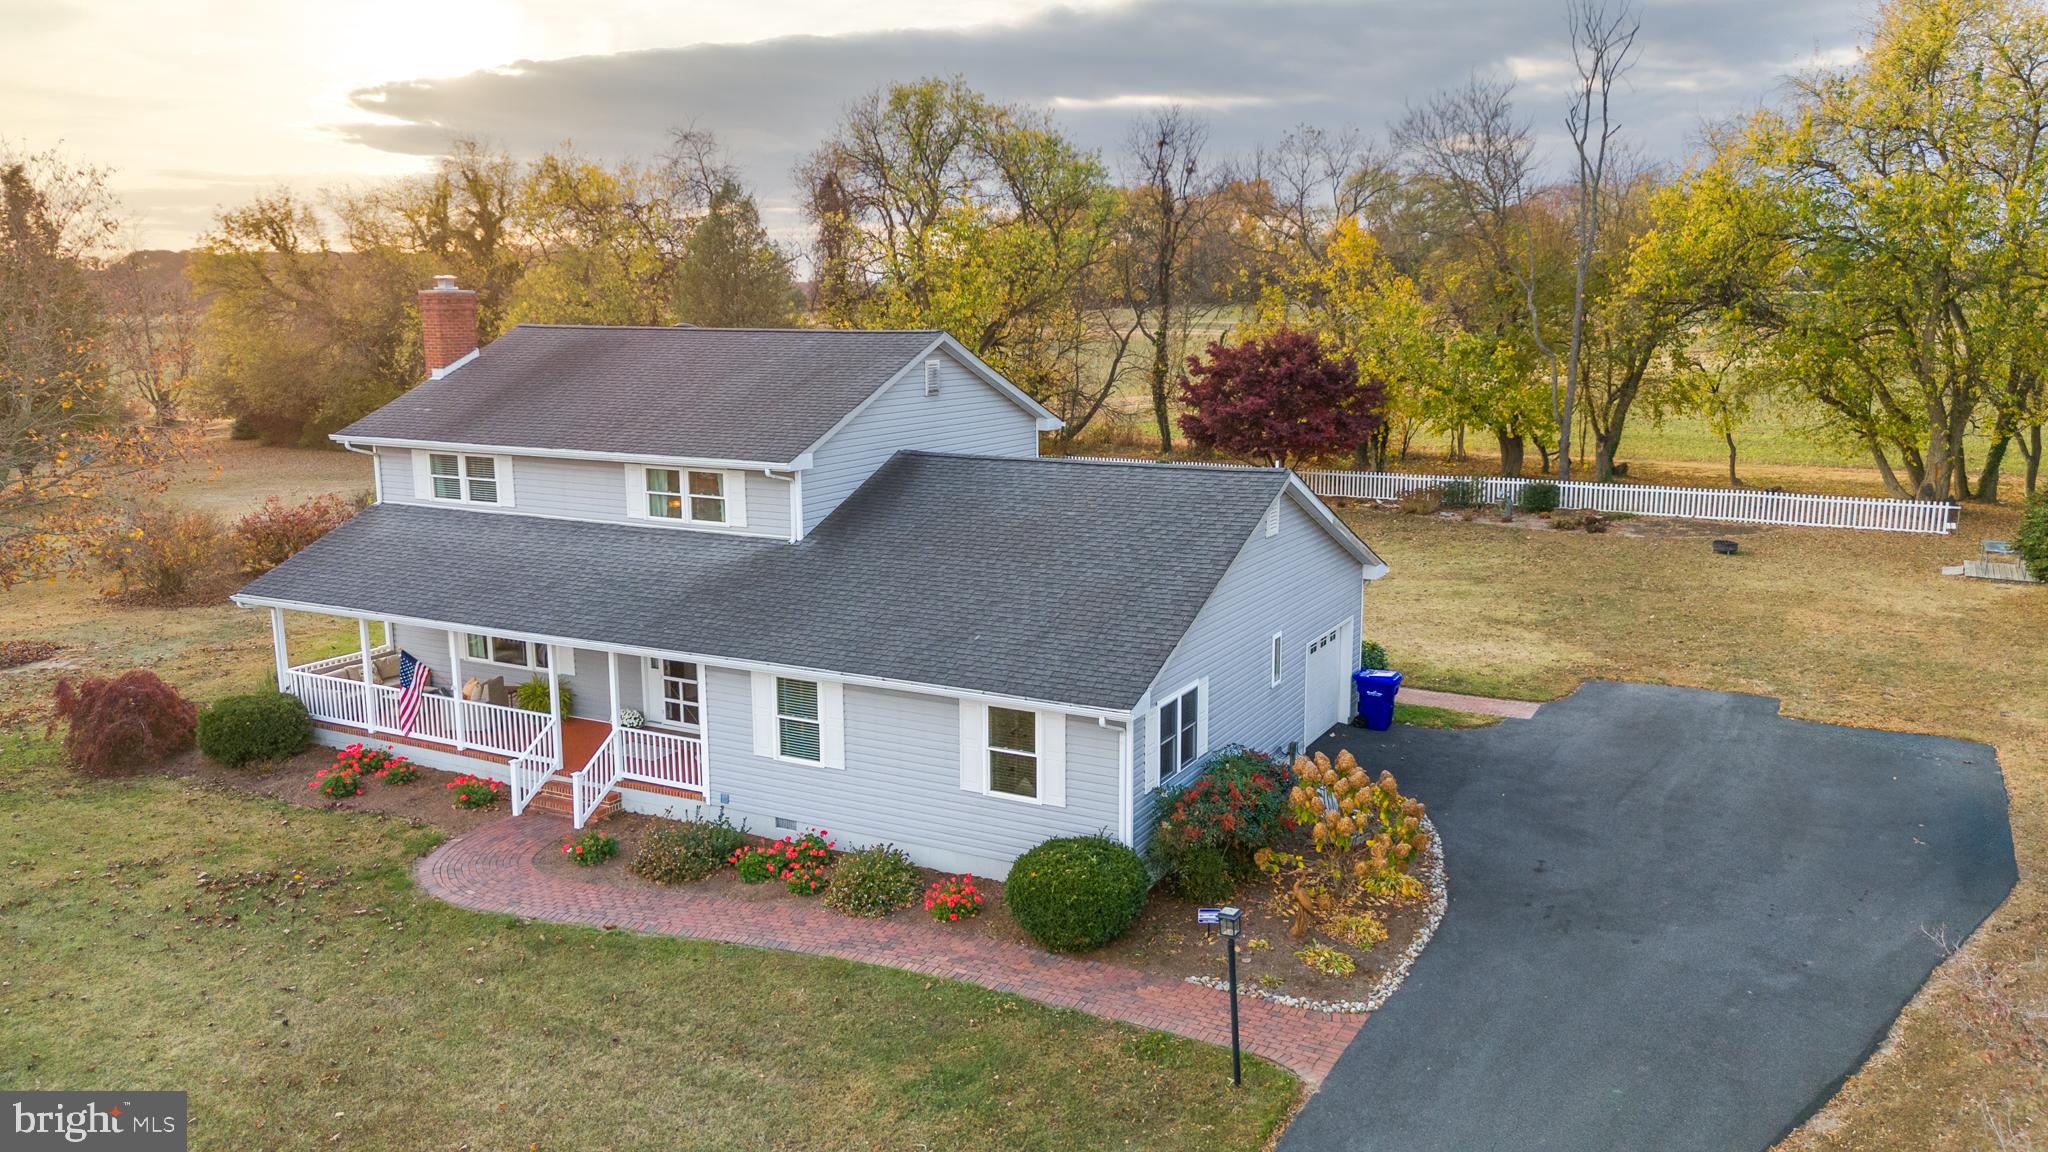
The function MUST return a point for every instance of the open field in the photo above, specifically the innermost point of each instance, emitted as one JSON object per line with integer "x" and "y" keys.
{"x": 1854, "y": 628}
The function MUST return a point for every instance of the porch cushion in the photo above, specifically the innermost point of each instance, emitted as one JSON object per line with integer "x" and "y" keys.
{"x": 386, "y": 668}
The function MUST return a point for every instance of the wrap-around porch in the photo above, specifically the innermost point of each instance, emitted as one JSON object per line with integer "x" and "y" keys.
{"x": 646, "y": 730}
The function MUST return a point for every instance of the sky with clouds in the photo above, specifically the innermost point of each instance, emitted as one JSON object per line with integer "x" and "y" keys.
{"x": 197, "y": 104}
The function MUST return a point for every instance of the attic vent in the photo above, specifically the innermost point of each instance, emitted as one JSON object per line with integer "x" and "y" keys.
{"x": 785, "y": 824}
{"x": 931, "y": 377}
{"x": 1273, "y": 520}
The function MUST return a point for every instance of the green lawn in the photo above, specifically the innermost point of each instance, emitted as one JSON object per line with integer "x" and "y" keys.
{"x": 276, "y": 962}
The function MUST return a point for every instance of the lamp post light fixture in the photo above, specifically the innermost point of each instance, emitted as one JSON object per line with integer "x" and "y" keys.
{"x": 1230, "y": 925}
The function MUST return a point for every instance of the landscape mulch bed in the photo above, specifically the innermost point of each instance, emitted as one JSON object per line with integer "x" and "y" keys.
{"x": 1165, "y": 938}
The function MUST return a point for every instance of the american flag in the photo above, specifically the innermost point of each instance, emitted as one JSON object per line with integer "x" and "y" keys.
{"x": 412, "y": 684}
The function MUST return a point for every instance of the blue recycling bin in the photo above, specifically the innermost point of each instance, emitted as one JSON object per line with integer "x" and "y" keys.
{"x": 1376, "y": 691}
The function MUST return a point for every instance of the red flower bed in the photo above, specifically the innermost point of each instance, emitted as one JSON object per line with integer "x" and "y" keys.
{"x": 954, "y": 898}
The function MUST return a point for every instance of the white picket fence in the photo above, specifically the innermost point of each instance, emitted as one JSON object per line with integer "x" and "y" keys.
{"x": 1730, "y": 505}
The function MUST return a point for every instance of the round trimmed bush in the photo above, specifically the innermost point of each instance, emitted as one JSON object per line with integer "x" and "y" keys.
{"x": 1076, "y": 892}
{"x": 1371, "y": 656}
{"x": 238, "y": 730}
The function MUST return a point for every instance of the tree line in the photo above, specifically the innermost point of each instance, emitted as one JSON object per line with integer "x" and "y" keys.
{"x": 1867, "y": 252}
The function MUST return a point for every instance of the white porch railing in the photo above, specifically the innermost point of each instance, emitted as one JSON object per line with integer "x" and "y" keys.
{"x": 637, "y": 754}
{"x": 345, "y": 660}
{"x": 532, "y": 768}
{"x": 497, "y": 728}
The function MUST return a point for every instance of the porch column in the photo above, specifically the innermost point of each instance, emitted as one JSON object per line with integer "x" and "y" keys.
{"x": 369, "y": 675}
{"x": 555, "y": 700}
{"x": 277, "y": 647}
{"x": 455, "y": 688}
{"x": 611, "y": 668}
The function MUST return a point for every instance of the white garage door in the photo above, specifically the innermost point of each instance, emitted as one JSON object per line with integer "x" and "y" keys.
{"x": 1327, "y": 690}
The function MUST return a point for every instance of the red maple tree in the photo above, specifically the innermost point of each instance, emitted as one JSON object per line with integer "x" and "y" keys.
{"x": 1280, "y": 397}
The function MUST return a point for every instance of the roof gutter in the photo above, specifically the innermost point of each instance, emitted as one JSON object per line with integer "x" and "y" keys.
{"x": 349, "y": 442}
{"x": 245, "y": 600}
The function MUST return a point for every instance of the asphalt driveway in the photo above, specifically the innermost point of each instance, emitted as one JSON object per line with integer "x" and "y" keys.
{"x": 1677, "y": 920}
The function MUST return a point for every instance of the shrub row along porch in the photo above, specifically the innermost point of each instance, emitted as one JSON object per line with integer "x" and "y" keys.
{"x": 361, "y": 694}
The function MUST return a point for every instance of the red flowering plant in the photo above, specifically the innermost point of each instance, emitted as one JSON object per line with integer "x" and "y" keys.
{"x": 383, "y": 764}
{"x": 1209, "y": 829}
{"x": 339, "y": 782}
{"x": 954, "y": 898}
{"x": 591, "y": 849}
{"x": 475, "y": 791}
{"x": 800, "y": 862}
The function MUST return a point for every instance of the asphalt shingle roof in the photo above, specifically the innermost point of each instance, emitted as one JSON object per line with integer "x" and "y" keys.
{"x": 755, "y": 394}
{"x": 1055, "y": 580}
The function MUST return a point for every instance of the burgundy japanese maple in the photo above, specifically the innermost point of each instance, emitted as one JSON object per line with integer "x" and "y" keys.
{"x": 1281, "y": 397}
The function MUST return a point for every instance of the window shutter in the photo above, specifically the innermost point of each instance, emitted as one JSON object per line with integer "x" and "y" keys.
{"x": 1152, "y": 749}
{"x": 636, "y": 492}
{"x": 504, "y": 471}
{"x": 832, "y": 723}
{"x": 1202, "y": 703}
{"x": 736, "y": 499}
{"x": 974, "y": 745}
{"x": 1052, "y": 759}
{"x": 422, "y": 484}
{"x": 764, "y": 714}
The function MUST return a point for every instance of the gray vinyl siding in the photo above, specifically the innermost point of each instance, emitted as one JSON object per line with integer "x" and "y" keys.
{"x": 967, "y": 416}
{"x": 587, "y": 490}
{"x": 901, "y": 783}
{"x": 1300, "y": 583}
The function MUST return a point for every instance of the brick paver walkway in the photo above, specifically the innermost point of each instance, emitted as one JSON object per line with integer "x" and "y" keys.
{"x": 491, "y": 869}
{"x": 1458, "y": 702}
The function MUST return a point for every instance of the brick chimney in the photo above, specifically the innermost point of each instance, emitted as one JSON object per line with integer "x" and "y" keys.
{"x": 447, "y": 324}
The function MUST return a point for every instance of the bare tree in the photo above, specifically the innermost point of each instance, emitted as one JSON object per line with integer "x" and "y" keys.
{"x": 1301, "y": 186}
{"x": 153, "y": 329}
{"x": 1603, "y": 41}
{"x": 1173, "y": 194}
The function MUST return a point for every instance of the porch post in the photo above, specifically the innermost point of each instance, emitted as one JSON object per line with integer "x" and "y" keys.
{"x": 611, "y": 668}
{"x": 555, "y": 700}
{"x": 277, "y": 647}
{"x": 455, "y": 689}
{"x": 369, "y": 675}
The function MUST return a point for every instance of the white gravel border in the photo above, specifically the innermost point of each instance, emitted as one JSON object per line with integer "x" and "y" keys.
{"x": 1438, "y": 897}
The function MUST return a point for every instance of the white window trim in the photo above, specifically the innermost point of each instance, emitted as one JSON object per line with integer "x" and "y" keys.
{"x": 1204, "y": 704}
{"x": 1277, "y": 669}
{"x": 735, "y": 495}
{"x": 1050, "y": 736}
{"x": 831, "y": 722}
{"x": 565, "y": 654}
{"x": 423, "y": 478}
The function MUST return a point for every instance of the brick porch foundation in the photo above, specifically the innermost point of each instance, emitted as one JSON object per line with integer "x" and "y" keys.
{"x": 491, "y": 869}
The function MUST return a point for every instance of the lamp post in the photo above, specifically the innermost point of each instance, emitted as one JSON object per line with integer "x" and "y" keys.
{"x": 1229, "y": 924}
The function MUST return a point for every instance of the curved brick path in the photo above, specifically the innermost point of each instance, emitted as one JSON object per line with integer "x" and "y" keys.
{"x": 491, "y": 869}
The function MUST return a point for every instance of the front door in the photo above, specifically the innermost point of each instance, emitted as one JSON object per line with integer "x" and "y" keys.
{"x": 1326, "y": 688}
{"x": 674, "y": 694}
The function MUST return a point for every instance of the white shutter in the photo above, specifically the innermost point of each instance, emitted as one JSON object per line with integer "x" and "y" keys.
{"x": 1202, "y": 717}
{"x": 636, "y": 492}
{"x": 764, "y": 714}
{"x": 832, "y": 723}
{"x": 504, "y": 474}
{"x": 1151, "y": 749}
{"x": 1052, "y": 759}
{"x": 736, "y": 499}
{"x": 974, "y": 745}
{"x": 422, "y": 481}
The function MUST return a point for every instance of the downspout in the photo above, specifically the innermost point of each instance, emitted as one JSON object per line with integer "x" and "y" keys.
{"x": 376, "y": 472}
{"x": 1125, "y": 816}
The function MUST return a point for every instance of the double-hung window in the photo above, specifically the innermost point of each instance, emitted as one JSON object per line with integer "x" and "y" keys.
{"x": 1013, "y": 752}
{"x": 685, "y": 495}
{"x": 462, "y": 478}
{"x": 799, "y": 730}
{"x": 1180, "y": 728}
{"x": 510, "y": 652}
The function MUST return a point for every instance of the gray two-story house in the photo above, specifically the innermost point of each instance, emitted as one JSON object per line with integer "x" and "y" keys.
{"x": 814, "y": 578}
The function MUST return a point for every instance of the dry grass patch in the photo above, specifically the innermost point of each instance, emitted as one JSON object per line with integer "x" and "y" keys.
{"x": 1847, "y": 627}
